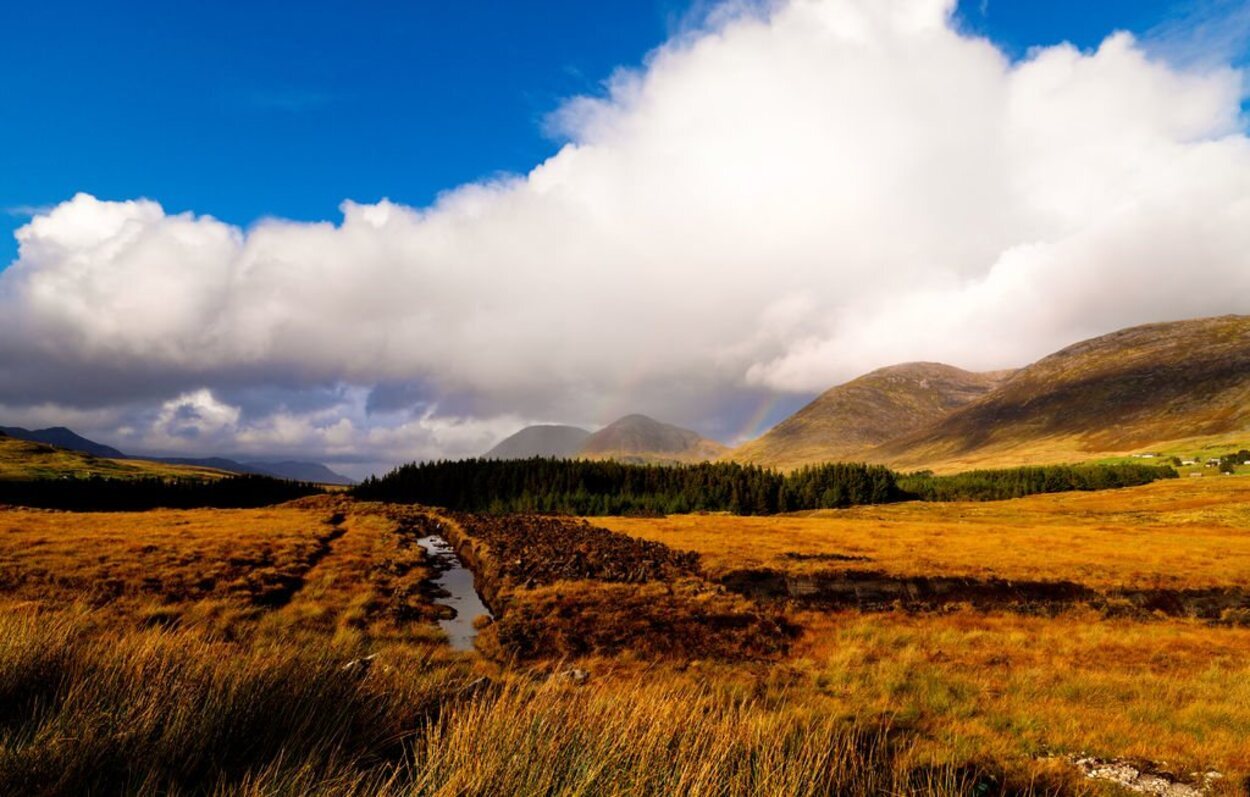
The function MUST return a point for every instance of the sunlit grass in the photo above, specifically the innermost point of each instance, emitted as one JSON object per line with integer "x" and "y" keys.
{"x": 158, "y": 712}
{"x": 23, "y": 460}
{"x": 218, "y": 627}
{"x": 1179, "y": 533}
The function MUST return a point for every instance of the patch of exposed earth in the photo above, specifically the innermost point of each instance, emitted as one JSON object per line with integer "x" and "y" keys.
{"x": 1145, "y": 777}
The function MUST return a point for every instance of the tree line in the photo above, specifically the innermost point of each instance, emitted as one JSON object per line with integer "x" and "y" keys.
{"x": 588, "y": 487}
{"x": 997, "y": 485}
{"x": 593, "y": 487}
{"x": 99, "y": 494}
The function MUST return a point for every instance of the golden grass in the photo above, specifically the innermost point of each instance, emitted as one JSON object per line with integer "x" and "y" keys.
{"x": 23, "y": 460}
{"x": 177, "y": 557}
{"x": 307, "y": 569}
{"x": 215, "y": 658}
{"x": 1058, "y": 449}
{"x": 171, "y": 712}
{"x": 1009, "y": 687}
{"x": 369, "y": 587}
{"x": 1171, "y": 534}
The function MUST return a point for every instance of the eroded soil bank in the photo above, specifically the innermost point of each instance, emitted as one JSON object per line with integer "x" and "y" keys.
{"x": 561, "y": 588}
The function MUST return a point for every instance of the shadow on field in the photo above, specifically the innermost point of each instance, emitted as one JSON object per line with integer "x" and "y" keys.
{"x": 874, "y": 590}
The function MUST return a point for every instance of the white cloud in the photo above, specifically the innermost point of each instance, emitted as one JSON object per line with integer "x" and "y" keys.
{"x": 193, "y": 416}
{"x": 780, "y": 200}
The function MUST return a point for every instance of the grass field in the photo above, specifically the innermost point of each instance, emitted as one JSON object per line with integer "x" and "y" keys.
{"x": 1016, "y": 684}
{"x": 1179, "y": 533}
{"x": 294, "y": 650}
{"x": 1071, "y": 449}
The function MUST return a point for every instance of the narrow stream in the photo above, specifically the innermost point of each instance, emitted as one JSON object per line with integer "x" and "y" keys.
{"x": 462, "y": 597}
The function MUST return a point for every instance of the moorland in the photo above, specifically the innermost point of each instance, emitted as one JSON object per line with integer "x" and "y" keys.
{"x": 918, "y": 647}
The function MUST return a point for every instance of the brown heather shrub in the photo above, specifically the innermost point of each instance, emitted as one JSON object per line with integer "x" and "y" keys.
{"x": 682, "y": 620}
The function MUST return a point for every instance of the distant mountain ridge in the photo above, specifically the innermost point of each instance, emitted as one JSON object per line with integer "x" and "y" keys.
{"x": 1156, "y": 386}
{"x": 633, "y": 438}
{"x": 300, "y": 471}
{"x": 637, "y": 438}
{"x": 289, "y": 469}
{"x": 61, "y": 437}
{"x": 64, "y": 438}
{"x": 23, "y": 460}
{"x": 543, "y": 440}
{"x": 847, "y": 420}
{"x": 1178, "y": 385}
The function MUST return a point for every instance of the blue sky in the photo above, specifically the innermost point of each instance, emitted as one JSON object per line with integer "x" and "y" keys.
{"x": 246, "y": 110}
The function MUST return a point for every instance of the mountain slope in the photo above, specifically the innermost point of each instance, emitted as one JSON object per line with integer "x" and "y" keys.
{"x": 844, "y": 422}
{"x": 1138, "y": 388}
{"x": 30, "y": 459}
{"x": 217, "y": 463}
{"x": 540, "y": 441}
{"x": 293, "y": 470}
{"x": 299, "y": 471}
{"x": 70, "y": 441}
{"x": 639, "y": 439}
{"x": 61, "y": 437}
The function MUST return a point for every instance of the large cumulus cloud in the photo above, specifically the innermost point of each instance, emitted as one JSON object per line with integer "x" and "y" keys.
{"x": 780, "y": 200}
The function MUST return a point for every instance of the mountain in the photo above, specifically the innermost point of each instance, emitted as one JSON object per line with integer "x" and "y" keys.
{"x": 1156, "y": 386}
{"x": 540, "y": 441}
{"x": 22, "y": 459}
{"x": 639, "y": 439}
{"x": 293, "y": 470}
{"x": 217, "y": 463}
{"x": 61, "y": 437}
{"x": 301, "y": 472}
{"x": 844, "y": 422}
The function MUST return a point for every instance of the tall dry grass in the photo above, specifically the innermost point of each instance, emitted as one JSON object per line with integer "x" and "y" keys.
{"x": 91, "y": 710}
{"x": 106, "y": 712}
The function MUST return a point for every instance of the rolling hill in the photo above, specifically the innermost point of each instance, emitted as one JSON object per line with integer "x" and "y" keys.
{"x": 61, "y": 437}
{"x": 72, "y": 442}
{"x": 30, "y": 459}
{"x": 1158, "y": 387}
{"x": 846, "y": 421}
{"x": 639, "y": 439}
{"x": 540, "y": 441}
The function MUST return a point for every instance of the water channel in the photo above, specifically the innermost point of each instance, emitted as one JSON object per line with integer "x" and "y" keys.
{"x": 456, "y": 581}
